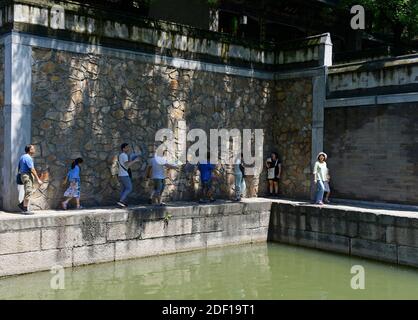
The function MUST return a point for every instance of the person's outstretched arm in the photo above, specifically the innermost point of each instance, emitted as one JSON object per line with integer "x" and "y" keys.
{"x": 35, "y": 174}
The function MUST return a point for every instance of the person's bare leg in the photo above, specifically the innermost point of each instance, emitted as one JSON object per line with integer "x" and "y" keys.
{"x": 26, "y": 202}
{"x": 276, "y": 188}
{"x": 151, "y": 197}
{"x": 77, "y": 201}
{"x": 65, "y": 203}
{"x": 210, "y": 194}
{"x": 271, "y": 187}
{"x": 327, "y": 196}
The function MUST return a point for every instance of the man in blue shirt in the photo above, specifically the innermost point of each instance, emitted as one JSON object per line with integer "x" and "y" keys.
{"x": 27, "y": 172}
{"x": 205, "y": 170}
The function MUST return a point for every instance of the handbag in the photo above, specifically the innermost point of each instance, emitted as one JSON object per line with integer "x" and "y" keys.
{"x": 271, "y": 171}
{"x": 19, "y": 176}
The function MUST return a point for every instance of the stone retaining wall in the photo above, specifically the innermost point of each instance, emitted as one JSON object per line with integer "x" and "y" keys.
{"x": 90, "y": 81}
{"x": 75, "y": 238}
{"x": 373, "y": 152}
{"x": 87, "y": 105}
{"x": 370, "y": 130}
{"x": 36, "y": 243}
{"x": 1, "y": 115}
{"x": 390, "y": 238}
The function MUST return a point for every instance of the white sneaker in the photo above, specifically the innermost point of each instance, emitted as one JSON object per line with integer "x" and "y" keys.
{"x": 121, "y": 204}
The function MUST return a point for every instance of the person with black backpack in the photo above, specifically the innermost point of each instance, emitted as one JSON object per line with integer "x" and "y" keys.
{"x": 125, "y": 174}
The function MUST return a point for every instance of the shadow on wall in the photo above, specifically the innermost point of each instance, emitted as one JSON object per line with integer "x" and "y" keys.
{"x": 1, "y": 121}
{"x": 86, "y": 105}
{"x": 373, "y": 151}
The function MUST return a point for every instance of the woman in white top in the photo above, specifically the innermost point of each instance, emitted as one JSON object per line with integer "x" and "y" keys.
{"x": 320, "y": 173}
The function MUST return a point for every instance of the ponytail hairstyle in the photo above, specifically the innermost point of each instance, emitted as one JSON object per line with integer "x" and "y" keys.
{"x": 76, "y": 162}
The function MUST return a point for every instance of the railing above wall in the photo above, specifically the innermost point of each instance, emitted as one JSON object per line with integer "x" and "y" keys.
{"x": 74, "y": 22}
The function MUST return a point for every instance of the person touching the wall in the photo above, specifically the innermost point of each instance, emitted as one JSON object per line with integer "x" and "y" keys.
{"x": 320, "y": 173}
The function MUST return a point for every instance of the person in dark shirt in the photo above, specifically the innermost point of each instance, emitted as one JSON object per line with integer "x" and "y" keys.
{"x": 274, "y": 170}
{"x": 206, "y": 170}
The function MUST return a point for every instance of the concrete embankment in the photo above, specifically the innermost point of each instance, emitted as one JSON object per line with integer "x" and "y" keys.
{"x": 81, "y": 237}
{"x": 381, "y": 233}
{"x": 74, "y": 238}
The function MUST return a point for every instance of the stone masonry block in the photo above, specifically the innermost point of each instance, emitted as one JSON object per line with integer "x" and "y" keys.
{"x": 190, "y": 242}
{"x": 93, "y": 254}
{"x": 265, "y": 219}
{"x": 310, "y": 239}
{"x": 374, "y": 250}
{"x": 332, "y": 226}
{"x": 408, "y": 256}
{"x": 142, "y": 248}
{"x": 71, "y": 236}
{"x": 372, "y": 231}
{"x": 207, "y": 224}
{"x": 123, "y": 231}
{"x": 11, "y": 264}
{"x": 161, "y": 228}
{"x": 293, "y": 221}
{"x": 227, "y": 238}
{"x": 406, "y": 236}
{"x": 15, "y": 242}
{"x": 259, "y": 234}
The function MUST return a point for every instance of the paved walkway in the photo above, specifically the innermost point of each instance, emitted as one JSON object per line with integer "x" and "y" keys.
{"x": 346, "y": 205}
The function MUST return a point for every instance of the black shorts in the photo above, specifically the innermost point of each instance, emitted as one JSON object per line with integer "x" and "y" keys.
{"x": 274, "y": 179}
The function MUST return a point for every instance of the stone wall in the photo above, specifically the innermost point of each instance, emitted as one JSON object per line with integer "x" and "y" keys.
{"x": 40, "y": 242}
{"x": 87, "y": 105}
{"x": 1, "y": 116}
{"x": 69, "y": 239}
{"x": 387, "y": 76}
{"x": 77, "y": 22}
{"x": 390, "y": 237}
{"x": 371, "y": 128}
{"x": 373, "y": 152}
{"x": 94, "y": 79}
{"x": 291, "y": 129}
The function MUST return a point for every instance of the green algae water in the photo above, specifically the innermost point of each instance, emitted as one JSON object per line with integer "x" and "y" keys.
{"x": 258, "y": 271}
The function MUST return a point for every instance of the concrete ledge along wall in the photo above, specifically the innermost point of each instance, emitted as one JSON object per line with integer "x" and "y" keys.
{"x": 37, "y": 243}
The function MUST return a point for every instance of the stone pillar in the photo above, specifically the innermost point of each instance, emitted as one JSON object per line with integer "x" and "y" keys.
{"x": 325, "y": 50}
{"x": 17, "y": 113}
{"x": 318, "y": 104}
{"x": 319, "y": 100}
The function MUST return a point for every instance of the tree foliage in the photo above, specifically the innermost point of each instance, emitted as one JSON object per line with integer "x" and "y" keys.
{"x": 399, "y": 17}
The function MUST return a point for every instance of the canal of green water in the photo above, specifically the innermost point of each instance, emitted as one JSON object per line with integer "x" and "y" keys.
{"x": 258, "y": 271}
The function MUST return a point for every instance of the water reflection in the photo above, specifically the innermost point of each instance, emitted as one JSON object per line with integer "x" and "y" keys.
{"x": 260, "y": 271}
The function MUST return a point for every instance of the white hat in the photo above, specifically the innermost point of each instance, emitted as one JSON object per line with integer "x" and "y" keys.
{"x": 322, "y": 153}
